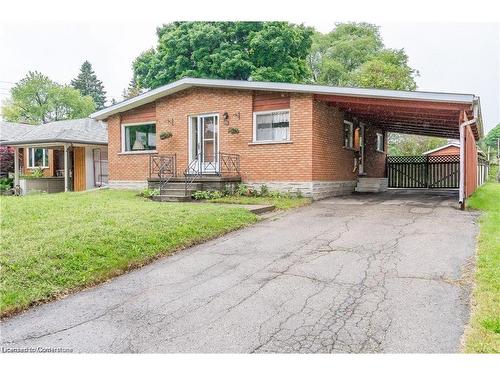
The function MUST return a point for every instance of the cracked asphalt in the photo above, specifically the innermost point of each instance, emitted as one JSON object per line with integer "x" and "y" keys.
{"x": 357, "y": 274}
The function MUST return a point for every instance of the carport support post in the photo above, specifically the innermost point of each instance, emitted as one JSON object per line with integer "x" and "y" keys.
{"x": 66, "y": 176}
{"x": 16, "y": 167}
{"x": 463, "y": 125}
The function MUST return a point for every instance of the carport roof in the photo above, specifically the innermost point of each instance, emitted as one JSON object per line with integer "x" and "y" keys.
{"x": 414, "y": 112}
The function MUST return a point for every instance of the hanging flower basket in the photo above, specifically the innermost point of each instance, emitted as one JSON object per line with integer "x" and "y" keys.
{"x": 166, "y": 135}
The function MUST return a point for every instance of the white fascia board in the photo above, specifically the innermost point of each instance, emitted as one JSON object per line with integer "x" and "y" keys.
{"x": 185, "y": 83}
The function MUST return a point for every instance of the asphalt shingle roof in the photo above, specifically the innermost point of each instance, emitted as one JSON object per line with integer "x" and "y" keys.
{"x": 85, "y": 130}
{"x": 11, "y": 130}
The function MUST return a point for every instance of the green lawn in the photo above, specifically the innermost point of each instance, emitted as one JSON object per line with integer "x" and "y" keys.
{"x": 282, "y": 203}
{"x": 483, "y": 335}
{"x": 53, "y": 244}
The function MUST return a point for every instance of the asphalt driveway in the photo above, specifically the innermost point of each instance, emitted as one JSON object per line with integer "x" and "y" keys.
{"x": 366, "y": 273}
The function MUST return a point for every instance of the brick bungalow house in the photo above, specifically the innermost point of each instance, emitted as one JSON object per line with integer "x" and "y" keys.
{"x": 321, "y": 140}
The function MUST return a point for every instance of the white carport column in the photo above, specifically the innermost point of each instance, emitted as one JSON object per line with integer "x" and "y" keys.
{"x": 66, "y": 171}
{"x": 16, "y": 167}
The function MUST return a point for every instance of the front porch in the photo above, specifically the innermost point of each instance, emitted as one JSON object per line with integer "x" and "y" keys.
{"x": 217, "y": 171}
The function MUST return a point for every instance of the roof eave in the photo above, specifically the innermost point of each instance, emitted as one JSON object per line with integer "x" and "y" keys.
{"x": 185, "y": 83}
{"x": 51, "y": 141}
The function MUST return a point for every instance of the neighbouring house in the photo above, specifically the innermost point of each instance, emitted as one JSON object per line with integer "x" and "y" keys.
{"x": 9, "y": 131}
{"x": 451, "y": 148}
{"x": 70, "y": 155}
{"x": 319, "y": 140}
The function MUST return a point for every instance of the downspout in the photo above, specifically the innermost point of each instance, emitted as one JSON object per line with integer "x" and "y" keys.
{"x": 461, "y": 194}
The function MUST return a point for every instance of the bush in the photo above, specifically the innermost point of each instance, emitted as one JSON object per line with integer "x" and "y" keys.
{"x": 148, "y": 193}
{"x": 37, "y": 172}
{"x": 207, "y": 194}
{"x": 264, "y": 191}
{"x": 247, "y": 191}
{"x": 6, "y": 160}
{"x": 6, "y": 183}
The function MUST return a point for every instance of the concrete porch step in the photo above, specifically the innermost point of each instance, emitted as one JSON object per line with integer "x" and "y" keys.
{"x": 371, "y": 185}
{"x": 171, "y": 198}
{"x": 182, "y": 185}
{"x": 178, "y": 192}
{"x": 367, "y": 189}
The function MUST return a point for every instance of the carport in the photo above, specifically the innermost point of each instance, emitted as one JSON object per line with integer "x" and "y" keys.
{"x": 452, "y": 116}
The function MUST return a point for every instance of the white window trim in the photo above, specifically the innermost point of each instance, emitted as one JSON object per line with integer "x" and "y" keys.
{"x": 376, "y": 144}
{"x": 257, "y": 142}
{"x": 31, "y": 157}
{"x": 351, "y": 138}
{"x": 123, "y": 151}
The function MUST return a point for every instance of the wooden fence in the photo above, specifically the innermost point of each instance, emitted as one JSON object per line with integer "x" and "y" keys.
{"x": 423, "y": 172}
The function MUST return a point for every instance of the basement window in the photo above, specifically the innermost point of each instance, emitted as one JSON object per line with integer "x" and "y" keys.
{"x": 139, "y": 137}
{"x": 380, "y": 142}
{"x": 38, "y": 158}
{"x": 348, "y": 134}
{"x": 272, "y": 126}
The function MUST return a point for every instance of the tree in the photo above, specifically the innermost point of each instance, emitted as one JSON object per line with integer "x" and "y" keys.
{"x": 492, "y": 136}
{"x": 87, "y": 83}
{"x": 132, "y": 90}
{"x": 409, "y": 145}
{"x": 274, "y": 51}
{"x": 36, "y": 99}
{"x": 6, "y": 160}
{"x": 353, "y": 54}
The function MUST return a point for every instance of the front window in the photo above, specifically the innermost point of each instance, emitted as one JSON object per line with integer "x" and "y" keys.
{"x": 139, "y": 137}
{"x": 38, "y": 158}
{"x": 272, "y": 126}
{"x": 380, "y": 142}
{"x": 348, "y": 134}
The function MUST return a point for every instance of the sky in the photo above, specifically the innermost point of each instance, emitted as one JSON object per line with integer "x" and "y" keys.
{"x": 452, "y": 56}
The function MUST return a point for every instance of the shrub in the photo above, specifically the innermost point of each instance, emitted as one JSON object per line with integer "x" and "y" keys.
{"x": 148, "y": 193}
{"x": 6, "y": 160}
{"x": 37, "y": 172}
{"x": 247, "y": 191}
{"x": 6, "y": 183}
{"x": 207, "y": 194}
{"x": 264, "y": 191}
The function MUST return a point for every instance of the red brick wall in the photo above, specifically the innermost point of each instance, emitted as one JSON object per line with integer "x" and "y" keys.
{"x": 374, "y": 160}
{"x": 331, "y": 161}
{"x": 259, "y": 162}
{"x": 450, "y": 150}
{"x": 315, "y": 151}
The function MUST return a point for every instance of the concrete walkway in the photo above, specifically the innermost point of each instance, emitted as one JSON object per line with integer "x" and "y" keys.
{"x": 368, "y": 273}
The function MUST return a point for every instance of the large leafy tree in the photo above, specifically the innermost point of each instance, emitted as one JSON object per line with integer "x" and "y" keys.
{"x": 87, "y": 83}
{"x": 353, "y": 54}
{"x": 492, "y": 137}
{"x": 37, "y": 99}
{"x": 271, "y": 51}
{"x": 409, "y": 145}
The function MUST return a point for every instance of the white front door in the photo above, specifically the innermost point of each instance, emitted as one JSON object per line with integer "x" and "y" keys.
{"x": 204, "y": 143}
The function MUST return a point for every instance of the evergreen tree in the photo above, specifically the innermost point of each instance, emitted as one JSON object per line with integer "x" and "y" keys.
{"x": 87, "y": 83}
{"x": 132, "y": 90}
